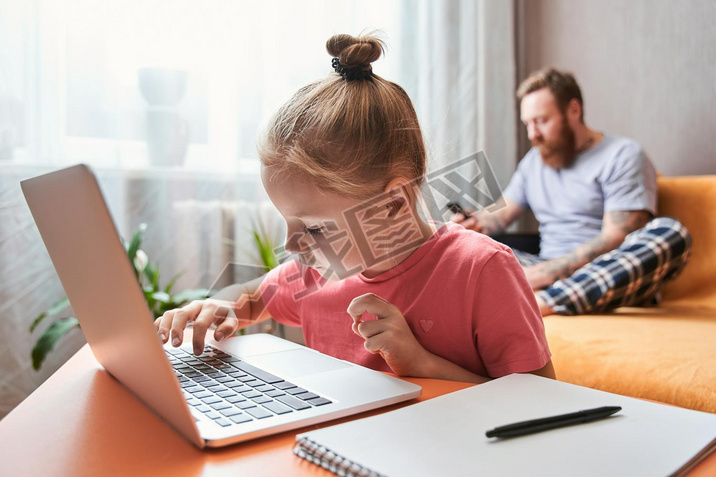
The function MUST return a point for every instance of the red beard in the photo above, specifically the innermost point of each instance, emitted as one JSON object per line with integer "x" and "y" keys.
{"x": 560, "y": 153}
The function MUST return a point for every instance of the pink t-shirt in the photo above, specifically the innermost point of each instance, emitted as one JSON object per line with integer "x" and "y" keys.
{"x": 464, "y": 296}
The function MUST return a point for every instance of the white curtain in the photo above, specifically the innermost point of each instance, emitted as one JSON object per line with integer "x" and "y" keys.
{"x": 166, "y": 99}
{"x": 462, "y": 76}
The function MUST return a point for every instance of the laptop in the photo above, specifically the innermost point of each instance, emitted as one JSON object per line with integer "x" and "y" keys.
{"x": 239, "y": 389}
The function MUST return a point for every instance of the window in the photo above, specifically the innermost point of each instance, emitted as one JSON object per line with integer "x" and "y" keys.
{"x": 144, "y": 84}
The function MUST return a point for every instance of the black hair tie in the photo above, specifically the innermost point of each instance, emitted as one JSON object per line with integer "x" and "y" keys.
{"x": 356, "y": 73}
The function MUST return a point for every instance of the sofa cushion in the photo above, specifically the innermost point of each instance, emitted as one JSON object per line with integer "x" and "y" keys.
{"x": 692, "y": 201}
{"x": 666, "y": 354}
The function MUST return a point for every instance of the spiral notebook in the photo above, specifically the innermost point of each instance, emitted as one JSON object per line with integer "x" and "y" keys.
{"x": 446, "y": 435}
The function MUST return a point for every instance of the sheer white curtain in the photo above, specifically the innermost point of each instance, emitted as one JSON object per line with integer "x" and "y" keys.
{"x": 166, "y": 99}
{"x": 462, "y": 79}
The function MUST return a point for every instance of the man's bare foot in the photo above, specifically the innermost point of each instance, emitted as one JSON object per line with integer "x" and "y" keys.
{"x": 543, "y": 308}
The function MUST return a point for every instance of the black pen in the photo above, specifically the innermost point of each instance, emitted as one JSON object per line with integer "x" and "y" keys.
{"x": 537, "y": 425}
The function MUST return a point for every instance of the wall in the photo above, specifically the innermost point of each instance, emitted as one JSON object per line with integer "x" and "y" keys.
{"x": 647, "y": 69}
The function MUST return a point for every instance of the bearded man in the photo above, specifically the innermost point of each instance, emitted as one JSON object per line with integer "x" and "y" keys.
{"x": 594, "y": 195}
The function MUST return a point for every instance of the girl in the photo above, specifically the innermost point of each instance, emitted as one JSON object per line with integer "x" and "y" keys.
{"x": 374, "y": 283}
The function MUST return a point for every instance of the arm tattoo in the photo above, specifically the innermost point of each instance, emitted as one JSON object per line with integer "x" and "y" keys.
{"x": 563, "y": 267}
{"x": 629, "y": 220}
{"x": 625, "y": 221}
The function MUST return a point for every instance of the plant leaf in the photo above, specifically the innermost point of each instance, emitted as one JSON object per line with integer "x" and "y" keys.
{"x": 161, "y": 297}
{"x": 173, "y": 281}
{"x": 160, "y": 302}
{"x": 49, "y": 338}
{"x": 263, "y": 244}
{"x": 155, "y": 278}
{"x": 190, "y": 295}
{"x": 152, "y": 275}
{"x": 162, "y": 308}
{"x": 135, "y": 243}
{"x": 56, "y": 308}
{"x": 38, "y": 319}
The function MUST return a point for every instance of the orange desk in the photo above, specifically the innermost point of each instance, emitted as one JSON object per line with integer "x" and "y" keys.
{"x": 82, "y": 422}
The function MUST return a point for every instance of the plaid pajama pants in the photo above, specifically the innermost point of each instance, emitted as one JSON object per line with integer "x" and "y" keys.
{"x": 629, "y": 275}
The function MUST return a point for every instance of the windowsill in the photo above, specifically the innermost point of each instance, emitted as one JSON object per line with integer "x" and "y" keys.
{"x": 130, "y": 159}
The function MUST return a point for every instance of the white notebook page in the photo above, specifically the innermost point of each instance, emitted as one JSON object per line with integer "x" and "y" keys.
{"x": 446, "y": 435}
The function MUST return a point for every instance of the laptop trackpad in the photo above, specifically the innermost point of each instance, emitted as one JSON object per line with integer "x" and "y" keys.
{"x": 296, "y": 363}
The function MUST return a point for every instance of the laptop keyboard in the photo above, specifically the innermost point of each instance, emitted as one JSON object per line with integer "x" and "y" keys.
{"x": 230, "y": 391}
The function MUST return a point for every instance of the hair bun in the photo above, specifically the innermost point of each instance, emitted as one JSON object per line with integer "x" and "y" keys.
{"x": 354, "y": 52}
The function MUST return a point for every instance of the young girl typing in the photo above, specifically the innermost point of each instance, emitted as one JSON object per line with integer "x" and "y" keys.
{"x": 374, "y": 283}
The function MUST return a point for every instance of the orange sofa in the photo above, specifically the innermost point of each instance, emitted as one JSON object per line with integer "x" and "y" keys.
{"x": 665, "y": 353}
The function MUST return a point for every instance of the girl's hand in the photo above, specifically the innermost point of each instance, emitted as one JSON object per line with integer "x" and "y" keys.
{"x": 389, "y": 335}
{"x": 204, "y": 313}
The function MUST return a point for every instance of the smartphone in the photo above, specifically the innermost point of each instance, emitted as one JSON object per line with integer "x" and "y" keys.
{"x": 456, "y": 208}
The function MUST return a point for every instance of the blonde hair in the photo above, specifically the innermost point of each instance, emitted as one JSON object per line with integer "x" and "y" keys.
{"x": 351, "y": 132}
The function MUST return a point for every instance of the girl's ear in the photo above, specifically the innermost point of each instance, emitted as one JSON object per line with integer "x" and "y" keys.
{"x": 396, "y": 205}
{"x": 400, "y": 195}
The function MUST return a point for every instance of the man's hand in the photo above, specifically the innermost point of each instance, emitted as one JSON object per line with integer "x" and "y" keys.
{"x": 538, "y": 277}
{"x": 389, "y": 335}
{"x": 616, "y": 226}
{"x": 490, "y": 223}
{"x": 473, "y": 222}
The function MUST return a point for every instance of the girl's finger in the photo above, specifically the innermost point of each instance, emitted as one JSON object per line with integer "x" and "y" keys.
{"x": 209, "y": 315}
{"x": 372, "y": 304}
{"x": 375, "y": 344}
{"x": 182, "y": 317}
{"x": 226, "y": 327}
{"x": 369, "y": 329}
{"x": 164, "y": 324}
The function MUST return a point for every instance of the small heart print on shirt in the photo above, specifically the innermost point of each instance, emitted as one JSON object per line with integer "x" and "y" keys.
{"x": 426, "y": 324}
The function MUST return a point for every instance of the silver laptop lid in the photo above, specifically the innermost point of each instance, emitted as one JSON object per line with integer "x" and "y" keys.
{"x": 86, "y": 250}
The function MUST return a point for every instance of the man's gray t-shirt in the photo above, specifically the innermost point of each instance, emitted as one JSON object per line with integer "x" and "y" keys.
{"x": 570, "y": 203}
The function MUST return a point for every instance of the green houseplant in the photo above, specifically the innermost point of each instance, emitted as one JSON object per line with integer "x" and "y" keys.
{"x": 159, "y": 299}
{"x": 265, "y": 253}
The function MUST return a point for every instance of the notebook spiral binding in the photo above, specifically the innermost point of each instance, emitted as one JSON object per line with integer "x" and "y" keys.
{"x": 329, "y": 460}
